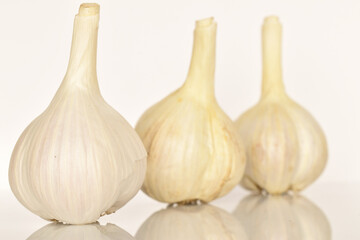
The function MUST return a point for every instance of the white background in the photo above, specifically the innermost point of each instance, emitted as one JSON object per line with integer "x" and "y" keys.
{"x": 144, "y": 53}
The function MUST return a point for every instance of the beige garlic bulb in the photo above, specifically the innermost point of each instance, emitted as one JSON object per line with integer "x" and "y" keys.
{"x": 79, "y": 159}
{"x": 282, "y": 217}
{"x": 286, "y": 148}
{"x": 95, "y": 231}
{"x": 192, "y": 222}
{"x": 194, "y": 152}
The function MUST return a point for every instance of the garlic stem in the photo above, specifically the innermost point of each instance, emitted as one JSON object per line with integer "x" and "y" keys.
{"x": 89, "y": 9}
{"x": 272, "y": 84}
{"x": 202, "y": 66}
{"x": 82, "y": 63}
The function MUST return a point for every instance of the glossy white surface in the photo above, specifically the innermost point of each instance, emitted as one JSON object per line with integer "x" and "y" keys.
{"x": 325, "y": 210}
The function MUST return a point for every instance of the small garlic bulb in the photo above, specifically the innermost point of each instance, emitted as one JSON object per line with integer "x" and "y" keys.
{"x": 80, "y": 158}
{"x": 191, "y": 222}
{"x": 194, "y": 152}
{"x": 95, "y": 231}
{"x": 286, "y": 148}
{"x": 282, "y": 217}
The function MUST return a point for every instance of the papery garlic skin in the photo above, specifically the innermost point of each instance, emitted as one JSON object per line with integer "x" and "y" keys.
{"x": 80, "y": 158}
{"x": 282, "y": 217}
{"x": 191, "y": 223}
{"x": 95, "y": 231}
{"x": 194, "y": 151}
{"x": 285, "y": 146}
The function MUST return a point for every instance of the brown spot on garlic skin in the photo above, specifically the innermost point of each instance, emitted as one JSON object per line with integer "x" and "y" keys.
{"x": 189, "y": 202}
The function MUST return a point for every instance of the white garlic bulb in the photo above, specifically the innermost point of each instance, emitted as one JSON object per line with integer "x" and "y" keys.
{"x": 286, "y": 148}
{"x": 80, "y": 158}
{"x": 194, "y": 152}
{"x": 282, "y": 217}
{"x": 191, "y": 223}
{"x": 93, "y": 231}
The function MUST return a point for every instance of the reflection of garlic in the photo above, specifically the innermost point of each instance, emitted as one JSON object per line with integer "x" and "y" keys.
{"x": 193, "y": 148}
{"x": 286, "y": 148}
{"x": 79, "y": 159}
{"x": 191, "y": 223}
{"x": 282, "y": 217}
{"x": 81, "y": 232}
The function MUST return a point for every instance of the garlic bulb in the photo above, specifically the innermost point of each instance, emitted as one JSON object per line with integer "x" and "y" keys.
{"x": 79, "y": 159}
{"x": 282, "y": 217}
{"x": 194, "y": 152}
{"x": 81, "y": 232}
{"x": 191, "y": 223}
{"x": 286, "y": 148}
